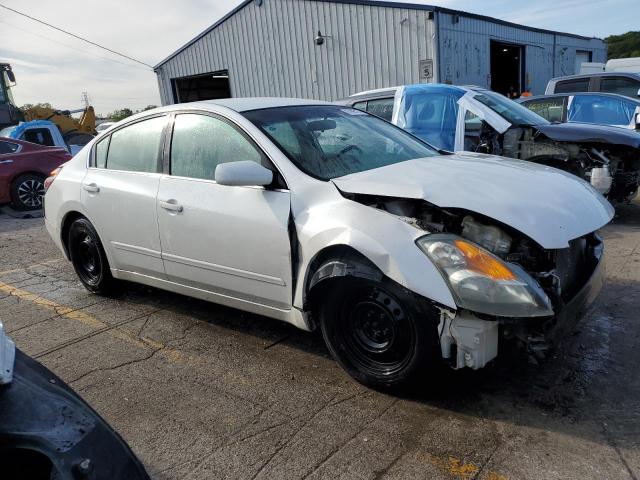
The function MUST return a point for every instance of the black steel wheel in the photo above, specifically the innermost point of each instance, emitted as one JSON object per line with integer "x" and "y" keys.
{"x": 27, "y": 192}
{"x": 377, "y": 332}
{"x": 88, "y": 258}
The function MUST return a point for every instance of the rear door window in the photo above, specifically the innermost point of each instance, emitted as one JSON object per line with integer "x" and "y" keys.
{"x": 550, "y": 108}
{"x": 381, "y": 107}
{"x": 571, "y": 86}
{"x": 136, "y": 148}
{"x": 620, "y": 85}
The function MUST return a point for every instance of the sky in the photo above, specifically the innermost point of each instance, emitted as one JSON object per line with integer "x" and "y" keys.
{"x": 56, "y": 68}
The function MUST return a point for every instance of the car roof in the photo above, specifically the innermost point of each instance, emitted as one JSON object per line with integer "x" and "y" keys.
{"x": 598, "y": 74}
{"x": 569, "y": 94}
{"x": 426, "y": 86}
{"x": 256, "y": 103}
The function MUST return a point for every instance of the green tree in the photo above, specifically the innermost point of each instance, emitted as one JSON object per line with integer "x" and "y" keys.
{"x": 27, "y": 106}
{"x": 626, "y": 45}
{"x": 118, "y": 115}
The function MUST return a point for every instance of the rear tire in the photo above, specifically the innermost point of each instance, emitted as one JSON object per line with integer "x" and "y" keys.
{"x": 379, "y": 333}
{"x": 27, "y": 192}
{"x": 89, "y": 259}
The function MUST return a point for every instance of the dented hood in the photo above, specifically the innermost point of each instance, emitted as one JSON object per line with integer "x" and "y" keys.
{"x": 589, "y": 133}
{"x": 548, "y": 205}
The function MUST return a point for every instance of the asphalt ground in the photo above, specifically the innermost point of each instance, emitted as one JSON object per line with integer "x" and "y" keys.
{"x": 202, "y": 391}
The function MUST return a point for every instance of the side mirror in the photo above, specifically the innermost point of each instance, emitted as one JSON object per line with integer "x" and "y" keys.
{"x": 243, "y": 174}
{"x": 637, "y": 120}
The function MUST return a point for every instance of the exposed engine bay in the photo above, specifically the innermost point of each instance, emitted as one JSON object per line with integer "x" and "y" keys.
{"x": 471, "y": 339}
{"x": 612, "y": 169}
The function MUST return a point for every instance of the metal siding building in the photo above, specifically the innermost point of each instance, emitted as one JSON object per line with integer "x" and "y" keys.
{"x": 268, "y": 48}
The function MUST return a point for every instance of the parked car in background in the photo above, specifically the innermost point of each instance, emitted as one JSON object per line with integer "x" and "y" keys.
{"x": 627, "y": 84}
{"x": 48, "y": 432}
{"x": 103, "y": 126}
{"x": 46, "y": 133}
{"x": 455, "y": 118}
{"x": 23, "y": 168}
{"x": 323, "y": 215}
{"x": 596, "y": 108}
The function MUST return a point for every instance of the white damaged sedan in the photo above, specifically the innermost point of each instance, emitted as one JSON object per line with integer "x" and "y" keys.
{"x": 323, "y": 215}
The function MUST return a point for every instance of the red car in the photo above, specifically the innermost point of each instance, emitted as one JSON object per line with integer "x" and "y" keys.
{"x": 23, "y": 169}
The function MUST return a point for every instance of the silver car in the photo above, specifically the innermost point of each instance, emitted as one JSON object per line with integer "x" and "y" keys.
{"x": 327, "y": 217}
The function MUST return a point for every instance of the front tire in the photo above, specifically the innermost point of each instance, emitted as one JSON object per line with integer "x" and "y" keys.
{"x": 378, "y": 332}
{"x": 88, "y": 258}
{"x": 27, "y": 192}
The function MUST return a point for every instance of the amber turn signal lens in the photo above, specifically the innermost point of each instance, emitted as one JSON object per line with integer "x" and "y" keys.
{"x": 480, "y": 261}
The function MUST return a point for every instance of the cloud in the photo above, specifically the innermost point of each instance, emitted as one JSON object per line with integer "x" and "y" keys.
{"x": 55, "y": 68}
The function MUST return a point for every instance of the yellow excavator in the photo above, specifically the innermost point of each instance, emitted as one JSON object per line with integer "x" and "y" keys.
{"x": 72, "y": 129}
{"x": 16, "y": 123}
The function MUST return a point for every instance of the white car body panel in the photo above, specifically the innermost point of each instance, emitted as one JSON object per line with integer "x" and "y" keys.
{"x": 246, "y": 263}
{"x": 246, "y": 256}
{"x": 124, "y": 210}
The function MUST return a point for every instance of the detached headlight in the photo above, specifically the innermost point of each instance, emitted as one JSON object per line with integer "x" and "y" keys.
{"x": 482, "y": 282}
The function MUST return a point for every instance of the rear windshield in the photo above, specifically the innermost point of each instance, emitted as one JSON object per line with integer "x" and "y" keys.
{"x": 327, "y": 141}
{"x": 511, "y": 111}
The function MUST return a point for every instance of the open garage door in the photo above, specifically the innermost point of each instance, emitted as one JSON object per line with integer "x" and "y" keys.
{"x": 507, "y": 68}
{"x": 208, "y": 86}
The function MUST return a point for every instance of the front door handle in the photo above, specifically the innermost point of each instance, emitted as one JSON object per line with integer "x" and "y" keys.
{"x": 171, "y": 205}
{"x": 91, "y": 187}
{"x": 6, "y": 161}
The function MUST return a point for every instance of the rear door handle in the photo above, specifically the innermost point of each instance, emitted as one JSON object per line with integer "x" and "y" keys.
{"x": 91, "y": 187}
{"x": 171, "y": 205}
{"x": 6, "y": 161}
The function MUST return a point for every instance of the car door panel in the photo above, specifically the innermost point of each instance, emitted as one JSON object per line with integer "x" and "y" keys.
{"x": 122, "y": 206}
{"x": 215, "y": 242}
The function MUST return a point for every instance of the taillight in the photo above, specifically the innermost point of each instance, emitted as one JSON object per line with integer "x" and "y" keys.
{"x": 52, "y": 176}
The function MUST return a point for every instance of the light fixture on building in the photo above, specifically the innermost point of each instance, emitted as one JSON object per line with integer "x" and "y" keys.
{"x": 320, "y": 38}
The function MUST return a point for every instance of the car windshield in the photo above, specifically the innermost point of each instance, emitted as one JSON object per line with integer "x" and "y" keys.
{"x": 511, "y": 111}
{"x": 327, "y": 141}
{"x": 6, "y": 132}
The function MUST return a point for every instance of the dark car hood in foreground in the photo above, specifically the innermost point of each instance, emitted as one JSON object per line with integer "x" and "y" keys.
{"x": 586, "y": 132}
{"x": 548, "y": 205}
{"x": 39, "y": 414}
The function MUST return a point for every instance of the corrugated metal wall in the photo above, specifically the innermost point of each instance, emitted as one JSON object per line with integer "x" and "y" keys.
{"x": 269, "y": 50}
{"x": 465, "y": 51}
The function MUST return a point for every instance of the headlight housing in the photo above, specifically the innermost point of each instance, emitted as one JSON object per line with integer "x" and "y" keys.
{"x": 482, "y": 282}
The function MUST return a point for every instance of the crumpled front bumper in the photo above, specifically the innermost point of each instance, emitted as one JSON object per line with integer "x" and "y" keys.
{"x": 539, "y": 337}
{"x": 477, "y": 338}
{"x": 48, "y": 431}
